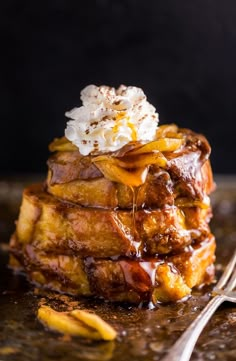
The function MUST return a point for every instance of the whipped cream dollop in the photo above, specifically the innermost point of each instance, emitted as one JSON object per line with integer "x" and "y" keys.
{"x": 111, "y": 118}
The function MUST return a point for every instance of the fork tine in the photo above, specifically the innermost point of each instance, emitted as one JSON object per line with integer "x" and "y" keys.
{"x": 227, "y": 273}
{"x": 232, "y": 283}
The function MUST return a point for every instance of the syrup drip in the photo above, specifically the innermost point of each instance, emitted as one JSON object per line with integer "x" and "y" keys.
{"x": 136, "y": 242}
{"x": 140, "y": 276}
{"x": 150, "y": 267}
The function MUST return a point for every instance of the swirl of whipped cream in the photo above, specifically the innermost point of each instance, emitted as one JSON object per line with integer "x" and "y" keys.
{"x": 111, "y": 118}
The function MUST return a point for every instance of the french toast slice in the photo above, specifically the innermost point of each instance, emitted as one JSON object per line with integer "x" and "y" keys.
{"x": 186, "y": 174}
{"x": 158, "y": 190}
{"x": 159, "y": 279}
{"x": 52, "y": 225}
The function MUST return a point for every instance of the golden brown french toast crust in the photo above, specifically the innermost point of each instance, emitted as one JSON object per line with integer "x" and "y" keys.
{"x": 56, "y": 226}
{"x": 160, "y": 279}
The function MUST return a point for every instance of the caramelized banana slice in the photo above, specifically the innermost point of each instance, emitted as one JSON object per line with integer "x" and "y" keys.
{"x": 169, "y": 131}
{"x": 65, "y": 323}
{"x": 128, "y": 170}
{"x": 106, "y": 331}
{"x": 142, "y": 160}
{"x": 76, "y": 323}
{"x": 108, "y": 166}
{"x": 62, "y": 145}
{"x": 161, "y": 145}
{"x": 130, "y": 162}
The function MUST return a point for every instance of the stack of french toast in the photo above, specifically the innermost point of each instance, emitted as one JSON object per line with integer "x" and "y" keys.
{"x": 129, "y": 226}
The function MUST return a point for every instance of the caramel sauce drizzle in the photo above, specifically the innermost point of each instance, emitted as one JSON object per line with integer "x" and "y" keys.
{"x": 136, "y": 242}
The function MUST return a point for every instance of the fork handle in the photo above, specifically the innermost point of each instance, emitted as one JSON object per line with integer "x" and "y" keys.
{"x": 183, "y": 348}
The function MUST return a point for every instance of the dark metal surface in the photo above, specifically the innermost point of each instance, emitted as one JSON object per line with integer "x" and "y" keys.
{"x": 143, "y": 334}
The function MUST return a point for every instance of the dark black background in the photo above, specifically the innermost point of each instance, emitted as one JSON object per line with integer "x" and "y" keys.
{"x": 182, "y": 53}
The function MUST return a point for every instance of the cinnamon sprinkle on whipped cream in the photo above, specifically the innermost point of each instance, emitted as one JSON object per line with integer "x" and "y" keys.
{"x": 111, "y": 118}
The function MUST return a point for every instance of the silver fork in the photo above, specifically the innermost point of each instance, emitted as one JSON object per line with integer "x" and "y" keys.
{"x": 223, "y": 291}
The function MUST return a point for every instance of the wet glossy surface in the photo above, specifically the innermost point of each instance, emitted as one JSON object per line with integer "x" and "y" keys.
{"x": 143, "y": 334}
